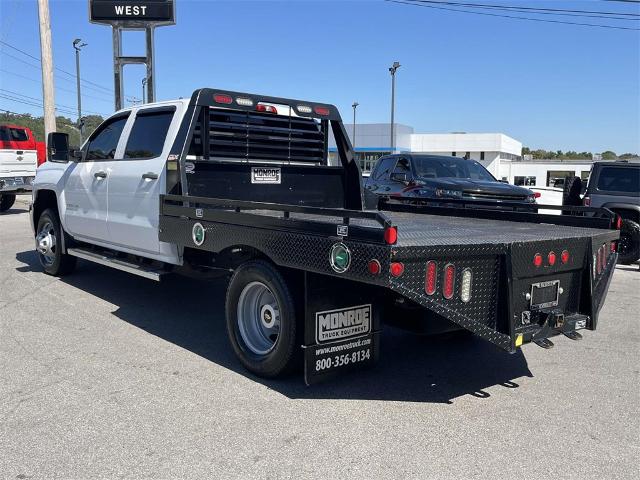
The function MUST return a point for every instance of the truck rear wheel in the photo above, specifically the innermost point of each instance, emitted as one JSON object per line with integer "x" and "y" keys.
{"x": 629, "y": 243}
{"x": 49, "y": 245}
{"x": 261, "y": 320}
{"x": 6, "y": 201}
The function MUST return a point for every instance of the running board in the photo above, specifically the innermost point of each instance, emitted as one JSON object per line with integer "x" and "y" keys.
{"x": 110, "y": 261}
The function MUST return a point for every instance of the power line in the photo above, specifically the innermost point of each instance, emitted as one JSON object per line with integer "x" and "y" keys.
{"x": 39, "y": 82}
{"x": 597, "y": 25}
{"x": 541, "y": 10}
{"x": 56, "y": 68}
{"x": 39, "y": 100}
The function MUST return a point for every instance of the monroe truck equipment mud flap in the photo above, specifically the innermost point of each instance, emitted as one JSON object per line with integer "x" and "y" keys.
{"x": 341, "y": 327}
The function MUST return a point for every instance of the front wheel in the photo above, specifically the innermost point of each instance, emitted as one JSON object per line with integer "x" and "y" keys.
{"x": 49, "y": 245}
{"x": 6, "y": 201}
{"x": 261, "y": 320}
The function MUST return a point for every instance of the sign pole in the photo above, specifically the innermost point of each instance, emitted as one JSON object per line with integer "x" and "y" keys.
{"x": 151, "y": 73}
{"x": 117, "y": 66}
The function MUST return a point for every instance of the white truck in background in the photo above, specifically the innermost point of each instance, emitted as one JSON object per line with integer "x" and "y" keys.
{"x": 18, "y": 163}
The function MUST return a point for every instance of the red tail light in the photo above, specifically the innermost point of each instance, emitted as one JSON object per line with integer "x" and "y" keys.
{"x": 321, "y": 110}
{"x": 537, "y": 260}
{"x": 537, "y": 194}
{"x": 449, "y": 281}
{"x": 431, "y": 278}
{"x": 266, "y": 108}
{"x": 551, "y": 258}
{"x": 564, "y": 256}
{"x": 391, "y": 235}
{"x": 618, "y": 222}
{"x": 613, "y": 247}
{"x": 219, "y": 98}
{"x": 396, "y": 269}
{"x": 374, "y": 267}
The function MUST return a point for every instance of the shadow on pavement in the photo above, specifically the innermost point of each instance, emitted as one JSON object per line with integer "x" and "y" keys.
{"x": 190, "y": 313}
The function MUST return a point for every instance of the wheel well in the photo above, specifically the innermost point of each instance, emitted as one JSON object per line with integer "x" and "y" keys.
{"x": 632, "y": 215}
{"x": 44, "y": 199}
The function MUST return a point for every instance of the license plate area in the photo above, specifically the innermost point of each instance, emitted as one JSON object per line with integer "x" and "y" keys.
{"x": 544, "y": 294}
{"x": 18, "y": 181}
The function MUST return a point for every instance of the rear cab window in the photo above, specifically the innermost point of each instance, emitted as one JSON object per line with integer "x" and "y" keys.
{"x": 619, "y": 179}
{"x": 383, "y": 168}
{"x": 149, "y": 133}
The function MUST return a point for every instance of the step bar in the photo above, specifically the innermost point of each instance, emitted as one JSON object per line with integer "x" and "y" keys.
{"x": 110, "y": 261}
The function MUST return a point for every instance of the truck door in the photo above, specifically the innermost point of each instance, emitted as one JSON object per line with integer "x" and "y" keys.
{"x": 400, "y": 177}
{"x": 138, "y": 179}
{"x": 378, "y": 181}
{"x": 85, "y": 191}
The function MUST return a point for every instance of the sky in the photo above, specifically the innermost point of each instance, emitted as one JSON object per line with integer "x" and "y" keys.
{"x": 551, "y": 86}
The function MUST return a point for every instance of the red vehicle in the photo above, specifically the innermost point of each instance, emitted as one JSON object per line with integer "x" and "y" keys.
{"x": 20, "y": 154}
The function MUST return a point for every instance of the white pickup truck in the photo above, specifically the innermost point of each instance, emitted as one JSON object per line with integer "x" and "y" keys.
{"x": 242, "y": 185}
{"x": 18, "y": 162}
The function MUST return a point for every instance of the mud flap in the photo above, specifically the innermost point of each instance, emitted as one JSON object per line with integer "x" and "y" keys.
{"x": 341, "y": 327}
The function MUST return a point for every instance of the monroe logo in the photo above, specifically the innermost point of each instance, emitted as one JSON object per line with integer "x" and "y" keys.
{"x": 265, "y": 175}
{"x": 343, "y": 323}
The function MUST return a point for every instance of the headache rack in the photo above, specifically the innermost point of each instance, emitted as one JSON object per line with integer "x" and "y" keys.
{"x": 226, "y": 134}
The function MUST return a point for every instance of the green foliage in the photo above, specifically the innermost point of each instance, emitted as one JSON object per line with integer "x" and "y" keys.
{"x": 63, "y": 124}
{"x": 571, "y": 155}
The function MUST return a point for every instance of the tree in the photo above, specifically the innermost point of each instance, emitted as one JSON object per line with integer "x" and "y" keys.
{"x": 609, "y": 155}
{"x": 64, "y": 124}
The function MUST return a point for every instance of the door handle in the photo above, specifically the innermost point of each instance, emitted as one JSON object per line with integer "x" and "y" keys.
{"x": 100, "y": 174}
{"x": 150, "y": 176}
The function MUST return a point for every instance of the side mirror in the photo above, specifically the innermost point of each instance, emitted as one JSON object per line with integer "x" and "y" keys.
{"x": 58, "y": 147}
{"x": 503, "y": 181}
{"x": 400, "y": 177}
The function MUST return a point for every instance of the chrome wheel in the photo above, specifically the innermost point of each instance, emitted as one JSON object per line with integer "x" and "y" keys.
{"x": 46, "y": 243}
{"x": 258, "y": 318}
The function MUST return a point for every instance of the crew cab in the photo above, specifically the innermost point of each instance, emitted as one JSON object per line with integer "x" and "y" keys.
{"x": 421, "y": 176}
{"x": 18, "y": 162}
{"x": 241, "y": 185}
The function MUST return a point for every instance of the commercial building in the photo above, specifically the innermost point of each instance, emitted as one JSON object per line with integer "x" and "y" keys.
{"x": 497, "y": 152}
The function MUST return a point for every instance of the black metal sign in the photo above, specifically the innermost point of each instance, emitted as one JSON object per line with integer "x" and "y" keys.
{"x": 132, "y": 13}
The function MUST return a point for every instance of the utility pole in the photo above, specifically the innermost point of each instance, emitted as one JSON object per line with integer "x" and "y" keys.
{"x": 47, "y": 68}
{"x": 353, "y": 135}
{"x": 77, "y": 45}
{"x": 393, "y": 69}
{"x": 144, "y": 82}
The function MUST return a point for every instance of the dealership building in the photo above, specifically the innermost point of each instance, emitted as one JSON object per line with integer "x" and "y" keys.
{"x": 497, "y": 152}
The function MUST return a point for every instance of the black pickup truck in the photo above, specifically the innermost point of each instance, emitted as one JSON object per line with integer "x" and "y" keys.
{"x": 316, "y": 263}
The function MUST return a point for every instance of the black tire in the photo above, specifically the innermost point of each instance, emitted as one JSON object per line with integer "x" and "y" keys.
{"x": 57, "y": 263}
{"x": 285, "y": 354}
{"x": 629, "y": 243}
{"x": 6, "y": 201}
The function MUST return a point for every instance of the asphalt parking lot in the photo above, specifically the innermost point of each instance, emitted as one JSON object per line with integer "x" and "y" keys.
{"x": 105, "y": 375}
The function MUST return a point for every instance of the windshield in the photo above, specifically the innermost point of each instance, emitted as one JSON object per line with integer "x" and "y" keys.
{"x": 451, "y": 167}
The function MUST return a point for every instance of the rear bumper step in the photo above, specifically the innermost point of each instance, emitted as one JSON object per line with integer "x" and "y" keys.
{"x": 103, "y": 258}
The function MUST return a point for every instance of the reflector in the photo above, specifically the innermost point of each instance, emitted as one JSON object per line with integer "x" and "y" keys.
{"x": 449, "y": 281}
{"x": 374, "y": 267}
{"x": 564, "y": 256}
{"x": 537, "y": 260}
{"x": 391, "y": 235}
{"x": 551, "y": 258}
{"x": 396, "y": 269}
{"x": 431, "y": 277}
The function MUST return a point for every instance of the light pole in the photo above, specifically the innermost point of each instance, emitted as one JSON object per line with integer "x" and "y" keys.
{"x": 77, "y": 45}
{"x": 393, "y": 69}
{"x": 144, "y": 83}
{"x": 353, "y": 135}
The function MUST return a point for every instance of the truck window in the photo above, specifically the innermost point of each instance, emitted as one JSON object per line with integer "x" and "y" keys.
{"x": 619, "y": 179}
{"x": 148, "y": 134}
{"x": 103, "y": 143}
{"x": 11, "y": 134}
{"x": 383, "y": 169}
{"x": 402, "y": 166}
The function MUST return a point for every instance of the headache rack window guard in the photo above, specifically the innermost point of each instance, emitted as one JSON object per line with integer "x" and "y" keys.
{"x": 240, "y": 205}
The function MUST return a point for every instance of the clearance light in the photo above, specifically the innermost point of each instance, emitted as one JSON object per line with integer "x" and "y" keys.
{"x": 219, "y": 98}
{"x": 595, "y": 265}
{"x": 304, "y": 109}
{"x": 613, "y": 247}
{"x": 245, "y": 102}
{"x": 431, "y": 278}
{"x": 599, "y": 261}
{"x": 391, "y": 235}
{"x": 618, "y": 222}
{"x": 374, "y": 267}
{"x": 465, "y": 285}
{"x": 551, "y": 258}
{"x": 564, "y": 256}
{"x": 396, "y": 269}
{"x": 321, "y": 111}
{"x": 449, "y": 281}
{"x": 603, "y": 258}
{"x": 340, "y": 257}
{"x": 537, "y": 260}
